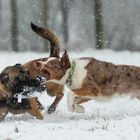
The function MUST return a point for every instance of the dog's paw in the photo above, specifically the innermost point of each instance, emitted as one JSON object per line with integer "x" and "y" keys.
{"x": 51, "y": 109}
{"x": 76, "y": 108}
{"x": 41, "y": 107}
{"x": 79, "y": 109}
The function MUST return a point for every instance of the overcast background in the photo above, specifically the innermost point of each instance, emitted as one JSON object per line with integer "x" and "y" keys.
{"x": 121, "y": 23}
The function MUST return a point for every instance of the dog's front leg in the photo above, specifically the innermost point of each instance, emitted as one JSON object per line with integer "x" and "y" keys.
{"x": 53, "y": 106}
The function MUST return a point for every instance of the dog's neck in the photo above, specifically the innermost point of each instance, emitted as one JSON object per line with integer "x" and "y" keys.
{"x": 67, "y": 78}
{"x": 75, "y": 75}
{"x": 71, "y": 72}
{"x": 62, "y": 81}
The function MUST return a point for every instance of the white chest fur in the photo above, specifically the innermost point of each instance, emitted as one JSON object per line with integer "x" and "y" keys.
{"x": 79, "y": 73}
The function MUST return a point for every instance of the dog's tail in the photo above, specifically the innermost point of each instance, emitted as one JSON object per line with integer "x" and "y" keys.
{"x": 49, "y": 35}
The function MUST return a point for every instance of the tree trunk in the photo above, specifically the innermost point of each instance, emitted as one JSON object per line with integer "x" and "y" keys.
{"x": 14, "y": 25}
{"x": 45, "y": 22}
{"x": 98, "y": 24}
{"x": 0, "y": 12}
{"x": 65, "y": 14}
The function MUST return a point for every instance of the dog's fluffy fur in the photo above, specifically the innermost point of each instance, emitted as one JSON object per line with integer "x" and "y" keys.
{"x": 8, "y": 78}
{"x": 87, "y": 78}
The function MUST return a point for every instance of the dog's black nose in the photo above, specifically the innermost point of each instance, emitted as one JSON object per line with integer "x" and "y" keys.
{"x": 40, "y": 78}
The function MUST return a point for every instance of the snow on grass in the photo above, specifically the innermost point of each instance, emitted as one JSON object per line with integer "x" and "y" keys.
{"x": 116, "y": 119}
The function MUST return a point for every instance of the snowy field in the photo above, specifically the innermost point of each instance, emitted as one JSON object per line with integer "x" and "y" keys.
{"x": 116, "y": 119}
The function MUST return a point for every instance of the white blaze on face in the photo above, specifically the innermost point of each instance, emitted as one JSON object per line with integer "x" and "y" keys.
{"x": 44, "y": 63}
{"x": 49, "y": 59}
{"x": 79, "y": 73}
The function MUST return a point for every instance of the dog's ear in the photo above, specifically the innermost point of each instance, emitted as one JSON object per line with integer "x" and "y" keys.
{"x": 37, "y": 64}
{"x": 4, "y": 77}
{"x": 65, "y": 61}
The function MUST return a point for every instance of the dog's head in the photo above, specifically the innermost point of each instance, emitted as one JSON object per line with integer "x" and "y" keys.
{"x": 50, "y": 68}
{"x": 54, "y": 66}
{"x": 13, "y": 79}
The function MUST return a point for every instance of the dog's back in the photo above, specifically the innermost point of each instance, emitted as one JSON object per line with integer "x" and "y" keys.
{"x": 93, "y": 79}
{"x": 109, "y": 78}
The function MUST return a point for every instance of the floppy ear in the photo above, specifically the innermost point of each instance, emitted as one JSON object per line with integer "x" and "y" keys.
{"x": 37, "y": 65}
{"x": 65, "y": 61}
{"x": 4, "y": 77}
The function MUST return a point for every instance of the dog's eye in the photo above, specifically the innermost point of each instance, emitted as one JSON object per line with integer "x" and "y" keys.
{"x": 22, "y": 71}
{"x": 37, "y": 64}
{"x": 21, "y": 77}
{"x": 27, "y": 72}
{"x": 51, "y": 64}
{"x": 57, "y": 66}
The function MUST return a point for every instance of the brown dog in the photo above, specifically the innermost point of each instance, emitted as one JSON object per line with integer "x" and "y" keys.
{"x": 87, "y": 78}
{"x": 36, "y": 66}
{"x": 12, "y": 81}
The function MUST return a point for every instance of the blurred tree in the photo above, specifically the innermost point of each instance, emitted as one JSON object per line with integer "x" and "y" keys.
{"x": 0, "y": 11}
{"x": 14, "y": 25}
{"x": 45, "y": 21}
{"x": 98, "y": 24}
{"x": 65, "y": 17}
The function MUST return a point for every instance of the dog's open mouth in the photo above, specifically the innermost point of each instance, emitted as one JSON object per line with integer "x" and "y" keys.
{"x": 27, "y": 89}
{"x": 46, "y": 74}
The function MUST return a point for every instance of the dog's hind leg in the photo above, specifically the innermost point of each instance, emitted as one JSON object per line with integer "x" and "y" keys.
{"x": 80, "y": 100}
{"x": 70, "y": 101}
{"x": 72, "y": 105}
{"x": 35, "y": 109}
{"x": 81, "y": 95}
{"x": 3, "y": 113}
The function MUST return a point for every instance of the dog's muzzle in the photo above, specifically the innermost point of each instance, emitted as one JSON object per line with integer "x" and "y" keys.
{"x": 25, "y": 89}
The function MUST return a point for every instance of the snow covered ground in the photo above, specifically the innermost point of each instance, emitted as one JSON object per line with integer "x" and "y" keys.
{"x": 118, "y": 119}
